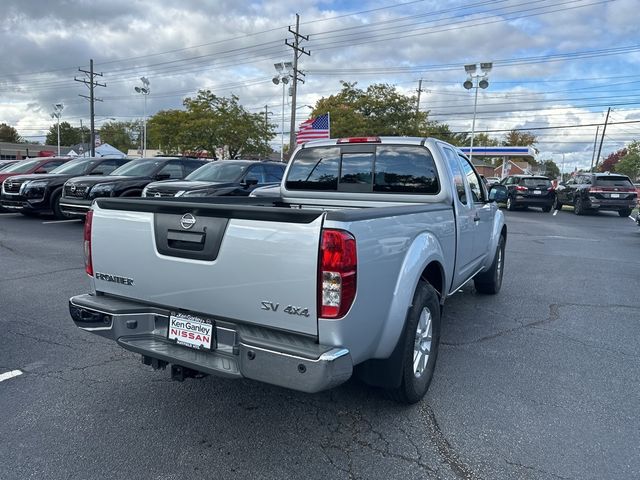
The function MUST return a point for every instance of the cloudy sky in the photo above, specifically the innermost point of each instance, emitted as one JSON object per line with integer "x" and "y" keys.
{"x": 556, "y": 63}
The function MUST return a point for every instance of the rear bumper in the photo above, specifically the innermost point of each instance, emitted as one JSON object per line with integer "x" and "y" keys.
{"x": 73, "y": 207}
{"x": 533, "y": 201}
{"x": 283, "y": 359}
{"x": 611, "y": 204}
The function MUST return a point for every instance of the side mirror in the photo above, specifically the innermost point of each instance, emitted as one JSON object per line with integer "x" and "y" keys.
{"x": 498, "y": 193}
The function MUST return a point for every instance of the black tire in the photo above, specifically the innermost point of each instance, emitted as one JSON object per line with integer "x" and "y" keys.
{"x": 557, "y": 205}
{"x": 55, "y": 205}
{"x": 490, "y": 282}
{"x": 510, "y": 204}
{"x": 546, "y": 209}
{"x": 578, "y": 207}
{"x": 424, "y": 311}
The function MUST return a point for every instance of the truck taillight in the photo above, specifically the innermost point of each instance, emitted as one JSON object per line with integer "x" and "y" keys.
{"x": 88, "y": 263}
{"x": 337, "y": 273}
{"x": 520, "y": 188}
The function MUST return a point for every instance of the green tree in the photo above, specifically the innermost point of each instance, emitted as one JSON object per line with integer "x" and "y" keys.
{"x": 442, "y": 132}
{"x": 68, "y": 135}
{"x": 378, "y": 110}
{"x": 120, "y": 134}
{"x": 9, "y": 134}
{"x": 517, "y": 138}
{"x": 211, "y": 123}
{"x": 629, "y": 165}
{"x": 549, "y": 168}
{"x": 484, "y": 140}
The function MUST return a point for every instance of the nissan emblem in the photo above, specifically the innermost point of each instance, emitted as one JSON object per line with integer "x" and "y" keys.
{"x": 187, "y": 221}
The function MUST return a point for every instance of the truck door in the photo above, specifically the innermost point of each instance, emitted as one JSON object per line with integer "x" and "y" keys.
{"x": 465, "y": 223}
{"x": 483, "y": 211}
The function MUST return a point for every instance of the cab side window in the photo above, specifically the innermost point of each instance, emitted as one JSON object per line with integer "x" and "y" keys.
{"x": 256, "y": 172}
{"x": 475, "y": 182}
{"x": 106, "y": 167}
{"x": 452, "y": 160}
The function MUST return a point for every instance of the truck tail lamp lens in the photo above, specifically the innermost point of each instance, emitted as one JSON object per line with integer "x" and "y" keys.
{"x": 88, "y": 263}
{"x": 337, "y": 275}
{"x": 520, "y": 188}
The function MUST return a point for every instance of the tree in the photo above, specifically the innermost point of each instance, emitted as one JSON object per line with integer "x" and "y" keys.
{"x": 549, "y": 168}
{"x": 629, "y": 165}
{"x": 9, "y": 134}
{"x": 68, "y": 135}
{"x": 120, "y": 134}
{"x": 442, "y": 132}
{"x": 609, "y": 164}
{"x": 378, "y": 110}
{"x": 517, "y": 138}
{"x": 484, "y": 140}
{"x": 211, "y": 123}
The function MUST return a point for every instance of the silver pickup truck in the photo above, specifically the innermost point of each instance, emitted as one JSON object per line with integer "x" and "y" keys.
{"x": 345, "y": 272}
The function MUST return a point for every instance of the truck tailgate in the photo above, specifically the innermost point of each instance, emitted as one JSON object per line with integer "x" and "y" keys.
{"x": 246, "y": 267}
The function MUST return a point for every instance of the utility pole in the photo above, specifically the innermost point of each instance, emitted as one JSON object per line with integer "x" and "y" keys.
{"x": 604, "y": 129}
{"x": 595, "y": 142}
{"x": 418, "y": 104}
{"x": 91, "y": 83}
{"x": 297, "y": 53}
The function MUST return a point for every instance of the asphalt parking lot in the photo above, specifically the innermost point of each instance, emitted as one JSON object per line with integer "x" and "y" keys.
{"x": 538, "y": 382}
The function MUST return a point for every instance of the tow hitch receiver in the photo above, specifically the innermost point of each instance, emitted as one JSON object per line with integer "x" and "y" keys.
{"x": 179, "y": 373}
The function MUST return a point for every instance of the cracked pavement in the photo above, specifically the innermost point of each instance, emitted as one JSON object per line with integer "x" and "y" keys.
{"x": 538, "y": 382}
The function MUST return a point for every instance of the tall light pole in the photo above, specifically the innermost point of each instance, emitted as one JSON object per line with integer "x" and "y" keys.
{"x": 57, "y": 112}
{"x": 145, "y": 91}
{"x": 482, "y": 81}
{"x": 283, "y": 74}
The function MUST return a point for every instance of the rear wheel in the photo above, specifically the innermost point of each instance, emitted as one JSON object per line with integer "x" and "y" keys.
{"x": 420, "y": 345}
{"x": 556, "y": 204}
{"x": 624, "y": 213}
{"x": 510, "y": 204}
{"x": 578, "y": 207}
{"x": 490, "y": 281}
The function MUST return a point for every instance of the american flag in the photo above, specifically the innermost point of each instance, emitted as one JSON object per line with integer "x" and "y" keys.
{"x": 313, "y": 129}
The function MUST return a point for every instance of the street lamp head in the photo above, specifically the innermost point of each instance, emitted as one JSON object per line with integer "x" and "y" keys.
{"x": 468, "y": 84}
{"x": 484, "y": 83}
{"x": 279, "y": 67}
{"x": 145, "y": 81}
{"x": 59, "y": 106}
{"x": 486, "y": 67}
{"x": 137, "y": 89}
{"x": 285, "y": 80}
{"x": 275, "y": 80}
{"x": 288, "y": 65}
{"x": 470, "y": 68}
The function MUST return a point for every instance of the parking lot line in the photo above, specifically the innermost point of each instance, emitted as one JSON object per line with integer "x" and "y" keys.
{"x": 8, "y": 375}
{"x": 62, "y": 221}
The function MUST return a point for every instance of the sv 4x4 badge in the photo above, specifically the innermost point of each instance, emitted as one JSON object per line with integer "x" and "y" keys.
{"x": 290, "y": 309}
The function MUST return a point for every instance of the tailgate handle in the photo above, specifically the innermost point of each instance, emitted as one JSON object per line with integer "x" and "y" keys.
{"x": 185, "y": 240}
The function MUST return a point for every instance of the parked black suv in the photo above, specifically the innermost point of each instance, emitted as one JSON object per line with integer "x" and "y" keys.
{"x": 224, "y": 177}
{"x": 40, "y": 193}
{"x": 529, "y": 191}
{"x": 597, "y": 191}
{"x": 126, "y": 181}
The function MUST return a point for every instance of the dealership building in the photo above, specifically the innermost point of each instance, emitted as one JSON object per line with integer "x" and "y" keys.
{"x": 18, "y": 151}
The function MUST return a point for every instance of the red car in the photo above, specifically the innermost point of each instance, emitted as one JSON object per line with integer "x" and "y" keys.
{"x": 32, "y": 165}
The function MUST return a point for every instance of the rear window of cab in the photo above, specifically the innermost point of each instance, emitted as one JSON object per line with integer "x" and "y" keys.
{"x": 403, "y": 169}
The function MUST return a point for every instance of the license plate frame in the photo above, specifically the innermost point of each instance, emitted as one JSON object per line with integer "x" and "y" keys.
{"x": 192, "y": 331}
